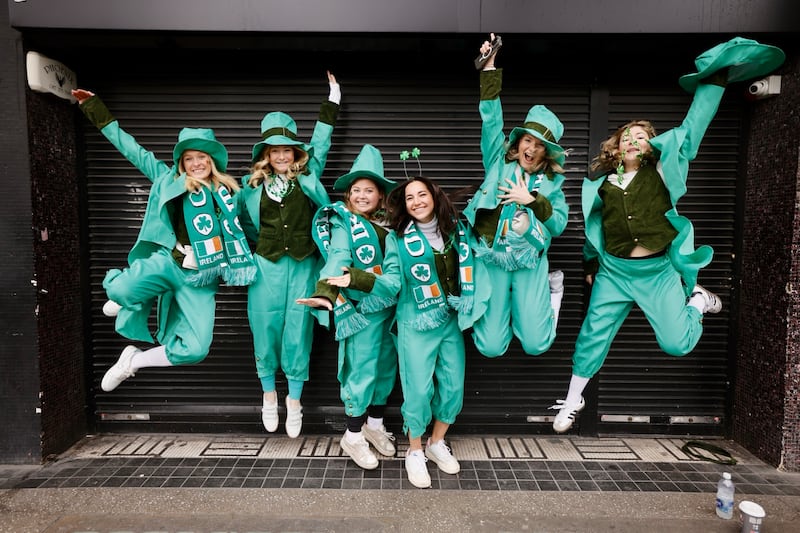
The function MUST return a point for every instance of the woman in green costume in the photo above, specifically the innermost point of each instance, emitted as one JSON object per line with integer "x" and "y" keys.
{"x": 429, "y": 268}
{"x": 517, "y": 211}
{"x": 353, "y": 234}
{"x": 278, "y": 200}
{"x": 638, "y": 249}
{"x": 189, "y": 238}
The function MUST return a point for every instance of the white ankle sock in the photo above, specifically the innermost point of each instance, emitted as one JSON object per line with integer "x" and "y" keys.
{"x": 555, "y": 303}
{"x": 351, "y": 437}
{"x": 374, "y": 423}
{"x": 271, "y": 400}
{"x": 576, "y": 386}
{"x": 698, "y": 302}
{"x": 153, "y": 357}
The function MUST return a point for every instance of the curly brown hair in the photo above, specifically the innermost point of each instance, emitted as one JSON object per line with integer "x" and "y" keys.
{"x": 609, "y": 157}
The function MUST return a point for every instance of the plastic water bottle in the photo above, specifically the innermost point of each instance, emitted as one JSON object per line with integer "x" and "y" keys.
{"x": 725, "y": 491}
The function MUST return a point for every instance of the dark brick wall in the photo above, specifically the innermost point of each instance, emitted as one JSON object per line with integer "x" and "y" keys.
{"x": 57, "y": 236}
{"x": 766, "y": 390}
{"x": 19, "y": 370}
{"x": 791, "y": 370}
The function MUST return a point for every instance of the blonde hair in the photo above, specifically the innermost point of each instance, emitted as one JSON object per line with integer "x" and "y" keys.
{"x": 217, "y": 177}
{"x": 261, "y": 169}
{"x": 609, "y": 157}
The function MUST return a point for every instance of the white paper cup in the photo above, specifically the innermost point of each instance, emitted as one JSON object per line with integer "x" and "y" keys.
{"x": 752, "y": 515}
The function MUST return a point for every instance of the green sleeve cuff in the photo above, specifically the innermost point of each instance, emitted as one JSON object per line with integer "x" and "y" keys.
{"x": 97, "y": 112}
{"x": 328, "y": 112}
{"x": 491, "y": 83}
{"x": 326, "y": 290}
{"x": 541, "y": 207}
{"x": 719, "y": 78}
{"x": 361, "y": 280}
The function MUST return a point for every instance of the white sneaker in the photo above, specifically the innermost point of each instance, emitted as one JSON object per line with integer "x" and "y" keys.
{"x": 556, "y": 279}
{"x": 121, "y": 369}
{"x": 417, "y": 470}
{"x": 269, "y": 415}
{"x": 566, "y": 414}
{"x": 381, "y": 439}
{"x": 111, "y": 308}
{"x": 294, "y": 420}
{"x": 359, "y": 452}
{"x": 712, "y": 303}
{"x": 440, "y": 454}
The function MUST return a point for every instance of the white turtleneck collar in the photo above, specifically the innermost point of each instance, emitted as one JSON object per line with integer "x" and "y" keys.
{"x": 432, "y": 233}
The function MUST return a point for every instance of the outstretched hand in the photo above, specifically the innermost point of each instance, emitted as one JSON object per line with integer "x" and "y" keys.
{"x": 340, "y": 281}
{"x": 316, "y": 302}
{"x": 81, "y": 95}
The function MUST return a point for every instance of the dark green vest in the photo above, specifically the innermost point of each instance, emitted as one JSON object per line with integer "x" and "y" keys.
{"x": 636, "y": 215}
{"x": 447, "y": 270}
{"x": 286, "y": 227}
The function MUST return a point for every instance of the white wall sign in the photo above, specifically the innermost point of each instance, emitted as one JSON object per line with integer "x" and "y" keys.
{"x": 47, "y": 75}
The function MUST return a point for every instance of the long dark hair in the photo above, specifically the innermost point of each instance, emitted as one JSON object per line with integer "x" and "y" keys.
{"x": 442, "y": 207}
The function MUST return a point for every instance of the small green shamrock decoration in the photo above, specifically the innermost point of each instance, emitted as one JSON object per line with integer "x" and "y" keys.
{"x": 405, "y": 154}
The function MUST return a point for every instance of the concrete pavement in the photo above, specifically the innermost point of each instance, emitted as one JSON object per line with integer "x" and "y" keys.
{"x": 245, "y": 483}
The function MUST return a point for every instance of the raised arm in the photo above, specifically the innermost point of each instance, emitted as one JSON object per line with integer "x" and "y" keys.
{"x": 97, "y": 112}
{"x": 323, "y": 129}
{"x": 491, "y": 111}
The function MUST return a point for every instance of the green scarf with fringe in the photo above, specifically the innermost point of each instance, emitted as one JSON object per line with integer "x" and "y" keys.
{"x": 511, "y": 251}
{"x": 367, "y": 255}
{"x": 417, "y": 256}
{"x": 218, "y": 242}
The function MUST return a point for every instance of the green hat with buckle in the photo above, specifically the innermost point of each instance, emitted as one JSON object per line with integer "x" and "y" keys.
{"x": 201, "y": 139}
{"x": 745, "y": 59}
{"x": 368, "y": 164}
{"x": 279, "y": 129}
{"x": 545, "y": 126}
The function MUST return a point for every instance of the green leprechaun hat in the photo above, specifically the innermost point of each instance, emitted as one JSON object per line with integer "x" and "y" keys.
{"x": 368, "y": 164}
{"x": 745, "y": 59}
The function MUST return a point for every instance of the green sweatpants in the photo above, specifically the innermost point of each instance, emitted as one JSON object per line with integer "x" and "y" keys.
{"x": 652, "y": 284}
{"x": 282, "y": 329}
{"x": 187, "y": 329}
{"x": 431, "y": 374}
{"x": 368, "y": 364}
{"x": 519, "y": 303}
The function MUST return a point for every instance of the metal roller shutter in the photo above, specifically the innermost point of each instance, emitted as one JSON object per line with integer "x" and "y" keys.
{"x": 508, "y": 394}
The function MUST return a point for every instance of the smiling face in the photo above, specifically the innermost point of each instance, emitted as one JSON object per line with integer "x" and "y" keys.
{"x": 281, "y": 158}
{"x": 419, "y": 202}
{"x": 364, "y": 197}
{"x": 634, "y": 143}
{"x": 530, "y": 152}
{"x": 196, "y": 164}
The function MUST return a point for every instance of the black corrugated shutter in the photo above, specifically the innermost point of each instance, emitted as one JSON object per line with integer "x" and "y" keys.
{"x": 508, "y": 394}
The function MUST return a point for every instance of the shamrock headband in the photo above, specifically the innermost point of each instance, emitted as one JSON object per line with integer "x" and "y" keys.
{"x": 405, "y": 154}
